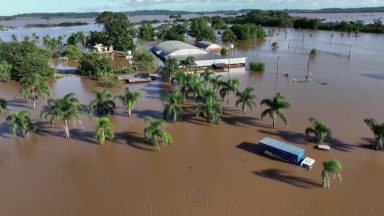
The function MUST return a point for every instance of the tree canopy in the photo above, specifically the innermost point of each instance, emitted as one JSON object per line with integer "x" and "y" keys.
{"x": 201, "y": 30}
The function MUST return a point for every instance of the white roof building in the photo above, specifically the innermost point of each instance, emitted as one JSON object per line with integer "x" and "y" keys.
{"x": 180, "y": 51}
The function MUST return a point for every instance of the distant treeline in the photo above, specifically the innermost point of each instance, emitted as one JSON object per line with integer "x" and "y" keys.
{"x": 49, "y": 25}
{"x": 169, "y": 12}
{"x": 341, "y": 10}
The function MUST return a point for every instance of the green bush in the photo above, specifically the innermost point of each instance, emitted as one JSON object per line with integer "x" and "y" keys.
{"x": 5, "y": 71}
{"x": 73, "y": 52}
{"x": 256, "y": 66}
{"x": 144, "y": 60}
{"x": 95, "y": 64}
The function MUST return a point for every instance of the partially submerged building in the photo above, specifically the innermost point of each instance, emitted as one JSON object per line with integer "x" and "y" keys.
{"x": 208, "y": 46}
{"x": 103, "y": 48}
{"x": 180, "y": 51}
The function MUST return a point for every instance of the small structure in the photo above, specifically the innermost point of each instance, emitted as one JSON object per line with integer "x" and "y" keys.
{"x": 103, "y": 48}
{"x": 308, "y": 163}
{"x": 281, "y": 151}
{"x": 208, "y": 46}
{"x": 324, "y": 147}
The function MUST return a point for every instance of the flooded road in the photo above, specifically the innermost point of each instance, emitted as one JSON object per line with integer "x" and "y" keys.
{"x": 211, "y": 169}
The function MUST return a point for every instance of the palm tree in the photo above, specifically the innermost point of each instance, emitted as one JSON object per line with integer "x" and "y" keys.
{"x": 188, "y": 62}
{"x": 67, "y": 108}
{"x": 33, "y": 87}
{"x": 210, "y": 108}
{"x": 313, "y": 52}
{"x": 207, "y": 75}
{"x": 378, "y": 131}
{"x": 103, "y": 104}
{"x": 3, "y": 105}
{"x": 22, "y": 121}
{"x": 246, "y": 99}
{"x": 331, "y": 167}
{"x": 216, "y": 82}
{"x": 104, "y": 129}
{"x": 130, "y": 99}
{"x": 173, "y": 102}
{"x": 155, "y": 132}
{"x": 275, "y": 105}
{"x": 320, "y": 129}
{"x": 194, "y": 85}
{"x": 170, "y": 68}
{"x": 228, "y": 87}
{"x": 181, "y": 78}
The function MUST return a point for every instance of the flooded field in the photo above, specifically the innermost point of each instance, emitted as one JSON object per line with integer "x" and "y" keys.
{"x": 211, "y": 169}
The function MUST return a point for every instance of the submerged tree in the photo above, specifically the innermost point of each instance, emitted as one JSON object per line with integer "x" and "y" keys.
{"x": 129, "y": 99}
{"x": 155, "y": 132}
{"x": 216, "y": 82}
{"x": 67, "y": 108}
{"x": 378, "y": 130}
{"x": 33, "y": 87}
{"x": 331, "y": 168}
{"x": 104, "y": 129}
{"x": 276, "y": 104}
{"x": 207, "y": 75}
{"x": 246, "y": 99}
{"x": 194, "y": 85}
{"x": 3, "y": 105}
{"x": 104, "y": 105}
{"x": 188, "y": 62}
{"x": 22, "y": 121}
{"x": 274, "y": 45}
{"x": 320, "y": 129}
{"x": 170, "y": 68}
{"x": 210, "y": 108}
{"x": 228, "y": 87}
{"x": 173, "y": 102}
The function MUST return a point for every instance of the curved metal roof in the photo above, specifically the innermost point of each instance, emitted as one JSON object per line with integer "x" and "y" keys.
{"x": 168, "y": 48}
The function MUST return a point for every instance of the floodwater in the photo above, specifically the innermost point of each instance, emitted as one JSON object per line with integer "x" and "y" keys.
{"x": 334, "y": 17}
{"x": 211, "y": 169}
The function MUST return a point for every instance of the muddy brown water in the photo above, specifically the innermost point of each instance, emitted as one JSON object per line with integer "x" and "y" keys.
{"x": 209, "y": 169}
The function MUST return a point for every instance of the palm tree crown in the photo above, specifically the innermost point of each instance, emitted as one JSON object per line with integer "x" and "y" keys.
{"x": 173, "y": 102}
{"x": 104, "y": 129}
{"x": 210, "y": 108}
{"x": 331, "y": 167}
{"x": 378, "y": 131}
{"x": 246, "y": 99}
{"x": 155, "y": 132}
{"x": 66, "y": 108}
{"x": 216, "y": 82}
{"x": 33, "y": 87}
{"x": 276, "y": 104}
{"x": 320, "y": 129}
{"x": 228, "y": 87}
{"x": 22, "y": 121}
{"x": 103, "y": 104}
{"x": 130, "y": 99}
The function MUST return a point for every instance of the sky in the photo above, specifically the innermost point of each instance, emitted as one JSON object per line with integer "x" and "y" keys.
{"x": 8, "y": 7}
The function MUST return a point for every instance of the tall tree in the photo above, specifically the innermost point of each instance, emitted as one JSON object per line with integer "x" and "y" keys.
{"x": 66, "y": 109}
{"x": 104, "y": 129}
{"x": 5, "y": 71}
{"x": 3, "y": 105}
{"x": 201, "y": 30}
{"x": 246, "y": 99}
{"x": 378, "y": 130}
{"x": 210, "y": 108}
{"x": 170, "y": 68}
{"x": 194, "y": 85}
{"x": 155, "y": 132}
{"x": 320, "y": 129}
{"x": 118, "y": 31}
{"x": 228, "y": 87}
{"x": 33, "y": 87}
{"x": 331, "y": 168}
{"x": 173, "y": 102}
{"x": 146, "y": 31}
{"x": 77, "y": 39}
{"x": 207, "y": 75}
{"x": 275, "y": 105}
{"x": 129, "y": 99}
{"x": 22, "y": 121}
{"x": 103, "y": 105}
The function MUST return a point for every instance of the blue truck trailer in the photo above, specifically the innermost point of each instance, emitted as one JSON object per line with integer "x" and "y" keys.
{"x": 281, "y": 151}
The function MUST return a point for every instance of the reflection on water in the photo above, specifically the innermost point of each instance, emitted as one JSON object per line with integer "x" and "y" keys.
{"x": 204, "y": 172}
